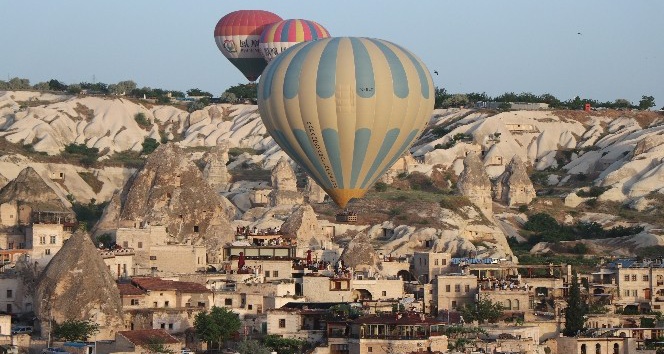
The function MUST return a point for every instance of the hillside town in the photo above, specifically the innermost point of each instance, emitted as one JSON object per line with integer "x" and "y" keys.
{"x": 183, "y": 237}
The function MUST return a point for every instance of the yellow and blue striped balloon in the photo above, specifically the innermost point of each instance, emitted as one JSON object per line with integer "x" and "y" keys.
{"x": 345, "y": 109}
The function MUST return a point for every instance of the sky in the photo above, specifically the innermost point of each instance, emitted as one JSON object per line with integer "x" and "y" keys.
{"x": 600, "y": 49}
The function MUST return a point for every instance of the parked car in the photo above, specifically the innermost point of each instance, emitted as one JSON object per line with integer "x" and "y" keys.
{"x": 55, "y": 351}
{"x": 21, "y": 329}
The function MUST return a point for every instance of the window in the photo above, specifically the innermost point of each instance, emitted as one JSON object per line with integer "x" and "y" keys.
{"x": 11, "y": 246}
{"x": 125, "y": 244}
{"x": 42, "y": 240}
{"x": 467, "y": 288}
{"x": 154, "y": 304}
{"x": 9, "y": 308}
{"x": 635, "y": 293}
{"x": 457, "y": 288}
{"x": 598, "y": 348}
{"x": 583, "y": 349}
{"x": 616, "y": 348}
{"x": 275, "y": 273}
{"x": 370, "y": 349}
{"x": 53, "y": 239}
{"x": 633, "y": 277}
{"x": 444, "y": 261}
{"x": 170, "y": 326}
{"x": 201, "y": 304}
{"x": 165, "y": 303}
{"x": 267, "y": 273}
{"x": 626, "y": 292}
{"x": 134, "y": 302}
{"x": 250, "y": 307}
{"x": 384, "y": 293}
{"x": 140, "y": 244}
{"x": 282, "y": 323}
{"x": 435, "y": 262}
{"x": 645, "y": 277}
{"x": 447, "y": 288}
{"x": 454, "y": 304}
{"x": 10, "y": 293}
{"x": 228, "y": 302}
{"x": 47, "y": 251}
{"x": 163, "y": 326}
{"x": 195, "y": 228}
{"x": 153, "y": 258}
{"x": 626, "y": 277}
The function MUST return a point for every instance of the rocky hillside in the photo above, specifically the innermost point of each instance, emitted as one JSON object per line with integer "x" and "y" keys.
{"x": 604, "y": 167}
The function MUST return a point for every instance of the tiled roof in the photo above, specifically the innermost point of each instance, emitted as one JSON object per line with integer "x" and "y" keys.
{"x": 148, "y": 336}
{"x": 158, "y": 284}
{"x": 129, "y": 289}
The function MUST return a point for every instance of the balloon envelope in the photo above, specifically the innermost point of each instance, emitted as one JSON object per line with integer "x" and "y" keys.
{"x": 345, "y": 109}
{"x": 237, "y": 36}
{"x": 282, "y": 35}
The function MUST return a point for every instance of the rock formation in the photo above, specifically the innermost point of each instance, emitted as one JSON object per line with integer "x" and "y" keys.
{"x": 29, "y": 188}
{"x": 171, "y": 191}
{"x": 314, "y": 193}
{"x": 304, "y": 225}
{"x": 215, "y": 172}
{"x": 284, "y": 185}
{"x": 514, "y": 187}
{"x": 359, "y": 252}
{"x": 76, "y": 285}
{"x": 474, "y": 183}
{"x": 3, "y": 181}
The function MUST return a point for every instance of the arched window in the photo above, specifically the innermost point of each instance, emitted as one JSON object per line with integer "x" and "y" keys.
{"x": 598, "y": 348}
{"x": 508, "y": 304}
{"x": 616, "y": 348}
{"x": 583, "y": 349}
{"x": 516, "y": 304}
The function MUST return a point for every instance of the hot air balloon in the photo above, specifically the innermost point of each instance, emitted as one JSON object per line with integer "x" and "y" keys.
{"x": 282, "y": 35}
{"x": 345, "y": 109}
{"x": 237, "y": 36}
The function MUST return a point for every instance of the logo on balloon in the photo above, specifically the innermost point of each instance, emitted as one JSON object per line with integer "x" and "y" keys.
{"x": 229, "y": 45}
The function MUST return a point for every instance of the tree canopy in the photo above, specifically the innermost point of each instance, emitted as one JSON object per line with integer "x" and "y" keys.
{"x": 576, "y": 309}
{"x": 483, "y": 310}
{"x": 216, "y": 326}
{"x": 75, "y": 330}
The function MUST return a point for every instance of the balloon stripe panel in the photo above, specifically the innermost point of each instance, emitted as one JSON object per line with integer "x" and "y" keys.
{"x": 364, "y": 73}
{"x": 327, "y": 67}
{"x": 424, "y": 83}
{"x": 362, "y": 137}
{"x": 331, "y": 139}
{"x": 390, "y": 137}
{"x": 399, "y": 78}
{"x": 303, "y": 140}
{"x": 292, "y": 83}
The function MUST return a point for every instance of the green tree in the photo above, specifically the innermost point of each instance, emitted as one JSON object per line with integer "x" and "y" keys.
{"x": 216, "y": 326}
{"x": 56, "y": 85}
{"x": 149, "y": 145}
{"x": 227, "y": 97}
{"x": 198, "y": 93}
{"x": 646, "y": 102}
{"x": 122, "y": 88}
{"x": 244, "y": 91}
{"x": 142, "y": 120}
{"x": 252, "y": 347}
{"x": 440, "y": 95}
{"x": 622, "y": 103}
{"x": 74, "y": 330}
{"x": 456, "y": 100}
{"x": 483, "y": 310}
{"x": 284, "y": 345}
{"x": 106, "y": 240}
{"x": 576, "y": 309}
{"x": 380, "y": 186}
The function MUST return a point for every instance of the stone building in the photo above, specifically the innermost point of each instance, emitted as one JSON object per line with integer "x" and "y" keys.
{"x": 591, "y": 345}
{"x": 314, "y": 193}
{"x": 514, "y": 187}
{"x": 453, "y": 291}
{"x": 303, "y": 225}
{"x": 428, "y": 265}
{"x": 474, "y": 183}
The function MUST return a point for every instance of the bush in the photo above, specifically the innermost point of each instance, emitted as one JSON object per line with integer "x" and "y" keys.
{"x": 142, "y": 120}
{"x": 579, "y": 248}
{"x": 380, "y": 187}
{"x": 593, "y": 192}
{"x": 87, "y": 156}
{"x": 149, "y": 145}
{"x": 523, "y": 208}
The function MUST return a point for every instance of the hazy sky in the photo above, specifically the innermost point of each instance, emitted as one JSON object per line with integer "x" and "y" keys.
{"x": 483, "y": 46}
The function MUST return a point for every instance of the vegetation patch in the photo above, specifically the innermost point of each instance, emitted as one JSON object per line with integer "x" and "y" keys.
{"x": 92, "y": 181}
{"x": 142, "y": 120}
{"x": 593, "y": 192}
{"x": 87, "y": 156}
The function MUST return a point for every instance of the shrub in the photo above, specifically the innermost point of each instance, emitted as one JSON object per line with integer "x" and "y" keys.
{"x": 142, "y": 120}
{"x": 380, "y": 187}
{"x": 593, "y": 192}
{"x": 149, "y": 145}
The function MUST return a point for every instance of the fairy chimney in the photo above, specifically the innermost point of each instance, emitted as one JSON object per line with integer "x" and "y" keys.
{"x": 514, "y": 187}
{"x": 474, "y": 182}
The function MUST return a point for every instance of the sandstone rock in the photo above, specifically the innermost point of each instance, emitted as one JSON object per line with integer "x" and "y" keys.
{"x": 313, "y": 192}
{"x": 572, "y": 200}
{"x": 282, "y": 198}
{"x": 304, "y": 225}
{"x": 474, "y": 182}
{"x": 359, "y": 252}
{"x": 283, "y": 176}
{"x": 3, "y": 181}
{"x": 76, "y": 285}
{"x": 514, "y": 187}
{"x": 30, "y": 190}
{"x": 171, "y": 191}
{"x": 215, "y": 172}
